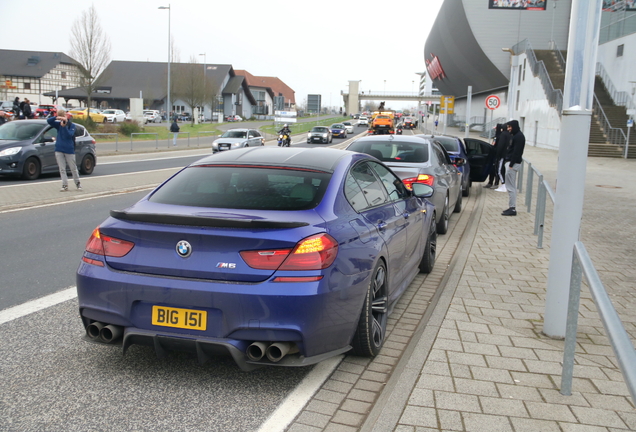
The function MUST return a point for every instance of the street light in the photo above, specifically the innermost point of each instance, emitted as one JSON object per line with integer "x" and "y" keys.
{"x": 203, "y": 104}
{"x": 169, "y": 106}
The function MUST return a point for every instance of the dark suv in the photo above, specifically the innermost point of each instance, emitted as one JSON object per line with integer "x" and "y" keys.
{"x": 27, "y": 149}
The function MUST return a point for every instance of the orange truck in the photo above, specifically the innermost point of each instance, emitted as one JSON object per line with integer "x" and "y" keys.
{"x": 382, "y": 122}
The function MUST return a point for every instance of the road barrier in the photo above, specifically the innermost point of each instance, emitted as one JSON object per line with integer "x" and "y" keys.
{"x": 144, "y": 133}
{"x": 109, "y": 134}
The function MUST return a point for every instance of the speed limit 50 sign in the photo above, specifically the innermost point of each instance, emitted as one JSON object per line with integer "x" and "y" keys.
{"x": 493, "y": 102}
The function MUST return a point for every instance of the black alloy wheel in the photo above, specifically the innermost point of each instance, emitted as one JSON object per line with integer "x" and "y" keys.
{"x": 371, "y": 331}
{"x": 458, "y": 203}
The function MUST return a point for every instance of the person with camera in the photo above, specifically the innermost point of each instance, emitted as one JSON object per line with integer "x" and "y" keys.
{"x": 65, "y": 147}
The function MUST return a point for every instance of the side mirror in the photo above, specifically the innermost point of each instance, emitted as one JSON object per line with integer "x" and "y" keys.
{"x": 49, "y": 139}
{"x": 422, "y": 190}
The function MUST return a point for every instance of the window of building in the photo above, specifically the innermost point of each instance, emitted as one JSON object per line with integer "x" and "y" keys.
{"x": 524, "y": 69}
{"x": 27, "y": 86}
{"x": 63, "y": 87}
{"x": 63, "y": 75}
{"x": 619, "y": 50}
{"x": 518, "y": 97}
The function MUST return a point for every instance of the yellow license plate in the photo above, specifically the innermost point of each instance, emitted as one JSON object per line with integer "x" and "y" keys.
{"x": 179, "y": 318}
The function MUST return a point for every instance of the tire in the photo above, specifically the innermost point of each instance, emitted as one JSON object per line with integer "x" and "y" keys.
{"x": 428, "y": 258}
{"x": 371, "y": 331}
{"x": 114, "y": 120}
{"x": 458, "y": 203}
{"x": 31, "y": 169}
{"x": 87, "y": 165}
{"x": 442, "y": 225}
{"x": 466, "y": 192}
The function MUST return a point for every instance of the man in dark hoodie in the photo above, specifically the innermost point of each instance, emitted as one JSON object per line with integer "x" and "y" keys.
{"x": 513, "y": 160}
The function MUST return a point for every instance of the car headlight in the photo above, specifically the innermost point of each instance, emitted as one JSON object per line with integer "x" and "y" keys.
{"x": 325, "y": 135}
{"x": 10, "y": 151}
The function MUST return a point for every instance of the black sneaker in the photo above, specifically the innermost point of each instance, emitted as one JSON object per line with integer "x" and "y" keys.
{"x": 488, "y": 186}
{"x": 510, "y": 212}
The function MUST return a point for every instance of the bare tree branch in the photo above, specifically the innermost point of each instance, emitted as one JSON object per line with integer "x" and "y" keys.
{"x": 90, "y": 47}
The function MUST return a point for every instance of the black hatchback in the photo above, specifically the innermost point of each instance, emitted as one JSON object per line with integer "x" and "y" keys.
{"x": 27, "y": 149}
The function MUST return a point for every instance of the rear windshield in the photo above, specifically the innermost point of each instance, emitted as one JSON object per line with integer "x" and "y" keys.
{"x": 393, "y": 151}
{"x": 234, "y": 134}
{"x": 249, "y": 188}
{"x": 450, "y": 144}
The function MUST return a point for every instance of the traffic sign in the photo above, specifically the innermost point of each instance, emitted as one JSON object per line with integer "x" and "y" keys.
{"x": 493, "y": 102}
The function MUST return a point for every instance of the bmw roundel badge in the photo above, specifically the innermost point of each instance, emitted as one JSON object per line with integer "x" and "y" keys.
{"x": 184, "y": 249}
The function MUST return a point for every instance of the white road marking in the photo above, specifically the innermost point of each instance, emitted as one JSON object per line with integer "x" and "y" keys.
{"x": 36, "y": 305}
{"x": 296, "y": 401}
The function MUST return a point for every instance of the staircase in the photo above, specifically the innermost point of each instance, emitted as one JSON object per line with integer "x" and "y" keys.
{"x": 617, "y": 116}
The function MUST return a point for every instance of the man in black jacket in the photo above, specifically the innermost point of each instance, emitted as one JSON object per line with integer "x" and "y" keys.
{"x": 513, "y": 160}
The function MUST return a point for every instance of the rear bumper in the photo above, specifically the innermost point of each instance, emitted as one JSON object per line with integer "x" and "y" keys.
{"x": 319, "y": 318}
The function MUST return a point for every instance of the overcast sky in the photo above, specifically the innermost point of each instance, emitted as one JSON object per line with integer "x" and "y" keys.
{"x": 315, "y": 47}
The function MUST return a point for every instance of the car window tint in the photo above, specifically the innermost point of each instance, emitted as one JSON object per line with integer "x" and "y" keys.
{"x": 394, "y": 186}
{"x": 50, "y": 133}
{"x": 450, "y": 144}
{"x": 441, "y": 154}
{"x": 79, "y": 131}
{"x": 372, "y": 189}
{"x": 16, "y": 130}
{"x": 473, "y": 147}
{"x": 244, "y": 188}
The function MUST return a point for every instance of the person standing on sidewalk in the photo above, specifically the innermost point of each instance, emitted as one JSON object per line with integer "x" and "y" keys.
{"x": 174, "y": 128}
{"x": 502, "y": 149}
{"x": 65, "y": 148}
{"x": 513, "y": 161}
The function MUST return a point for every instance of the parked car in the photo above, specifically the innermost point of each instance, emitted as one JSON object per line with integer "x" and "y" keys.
{"x": 27, "y": 149}
{"x": 348, "y": 126}
{"x": 45, "y": 110}
{"x": 418, "y": 160}
{"x": 363, "y": 121}
{"x": 479, "y": 155}
{"x": 234, "y": 118}
{"x": 338, "y": 130}
{"x": 114, "y": 115}
{"x": 272, "y": 255}
{"x": 81, "y": 114}
{"x": 320, "y": 134}
{"x": 152, "y": 116}
{"x": 237, "y": 138}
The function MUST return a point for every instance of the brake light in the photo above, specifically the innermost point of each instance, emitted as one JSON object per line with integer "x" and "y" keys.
{"x": 313, "y": 253}
{"x": 100, "y": 244}
{"x": 422, "y": 178}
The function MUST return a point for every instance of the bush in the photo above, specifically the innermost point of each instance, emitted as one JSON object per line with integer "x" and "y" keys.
{"x": 128, "y": 128}
{"x": 109, "y": 128}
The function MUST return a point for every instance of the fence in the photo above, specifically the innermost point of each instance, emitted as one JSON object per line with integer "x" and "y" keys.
{"x": 582, "y": 264}
{"x": 144, "y": 133}
{"x": 110, "y": 134}
{"x": 199, "y": 135}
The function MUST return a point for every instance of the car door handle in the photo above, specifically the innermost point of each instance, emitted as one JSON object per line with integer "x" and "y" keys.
{"x": 382, "y": 225}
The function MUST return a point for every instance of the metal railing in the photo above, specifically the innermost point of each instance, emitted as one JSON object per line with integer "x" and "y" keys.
{"x": 109, "y": 134}
{"x": 582, "y": 264}
{"x": 203, "y": 132}
{"x": 555, "y": 97}
{"x": 619, "y": 338}
{"x": 180, "y": 133}
{"x": 144, "y": 133}
{"x": 620, "y": 98}
{"x": 613, "y": 135}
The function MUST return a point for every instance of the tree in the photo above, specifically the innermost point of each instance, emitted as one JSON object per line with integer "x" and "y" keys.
{"x": 90, "y": 47}
{"x": 189, "y": 84}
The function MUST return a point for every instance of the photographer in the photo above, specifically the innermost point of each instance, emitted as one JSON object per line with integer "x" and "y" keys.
{"x": 65, "y": 147}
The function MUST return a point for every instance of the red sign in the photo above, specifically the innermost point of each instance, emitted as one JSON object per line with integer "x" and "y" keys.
{"x": 434, "y": 68}
{"x": 493, "y": 102}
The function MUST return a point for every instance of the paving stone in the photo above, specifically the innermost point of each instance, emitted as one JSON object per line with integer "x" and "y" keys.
{"x": 511, "y": 364}
{"x": 466, "y": 358}
{"x": 456, "y": 401}
{"x": 372, "y": 386}
{"x": 296, "y": 427}
{"x": 322, "y": 407}
{"x": 555, "y": 396}
{"x": 313, "y": 419}
{"x": 419, "y": 416}
{"x": 486, "y": 423}
{"x": 348, "y": 418}
{"x": 474, "y": 387}
{"x": 460, "y": 371}
{"x": 489, "y": 374}
{"x": 576, "y": 427}
{"x": 534, "y": 425}
{"x": 450, "y": 420}
{"x": 503, "y": 407}
{"x": 435, "y": 382}
{"x": 546, "y": 411}
{"x": 334, "y": 427}
{"x": 422, "y": 397}
{"x": 436, "y": 368}
{"x": 330, "y": 396}
{"x": 598, "y": 417}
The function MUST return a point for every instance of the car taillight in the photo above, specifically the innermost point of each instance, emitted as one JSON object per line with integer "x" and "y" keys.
{"x": 313, "y": 253}
{"x": 100, "y": 244}
{"x": 422, "y": 178}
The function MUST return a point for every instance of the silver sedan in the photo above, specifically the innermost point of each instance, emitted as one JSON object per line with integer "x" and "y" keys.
{"x": 237, "y": 138}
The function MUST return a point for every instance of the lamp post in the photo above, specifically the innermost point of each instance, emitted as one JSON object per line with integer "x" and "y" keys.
{"x": 204, "y": 85}
{"x": 169, "y": 106}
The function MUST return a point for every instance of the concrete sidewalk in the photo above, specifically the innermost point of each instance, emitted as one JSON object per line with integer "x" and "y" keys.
{"x": 477, "y": 360}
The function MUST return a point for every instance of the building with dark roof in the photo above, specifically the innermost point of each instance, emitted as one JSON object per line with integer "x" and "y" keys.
{"x": 30, "y": 74}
